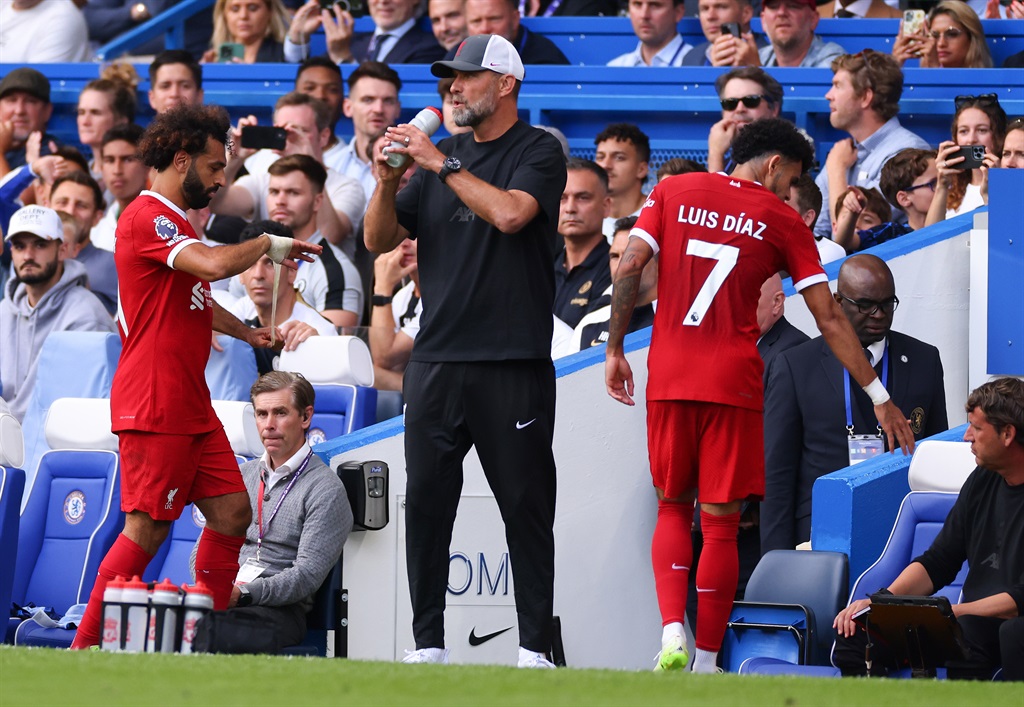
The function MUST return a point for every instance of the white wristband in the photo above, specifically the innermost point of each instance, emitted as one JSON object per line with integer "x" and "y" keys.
{"x": 877, "y": 392}
{"x": 280, "y": 247}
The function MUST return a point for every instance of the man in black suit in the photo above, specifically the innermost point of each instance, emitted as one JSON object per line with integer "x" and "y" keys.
{"x": 396, "y": 39}
{"x": 777, "y": 334}
{"x": 805, "y": 411}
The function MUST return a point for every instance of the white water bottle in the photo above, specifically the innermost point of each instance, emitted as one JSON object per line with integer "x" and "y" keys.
{"x": 135, "y": 596}
{"x": 164, "y": 606}
{"x": 197, "y": 604}
{"x": 112, "y": 615}
{"x": 428, "y": 120}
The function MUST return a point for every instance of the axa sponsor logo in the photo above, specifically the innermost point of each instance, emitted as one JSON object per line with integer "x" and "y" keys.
{"x": 463, "y": 214}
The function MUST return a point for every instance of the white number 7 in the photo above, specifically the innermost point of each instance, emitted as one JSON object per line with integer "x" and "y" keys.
{"x": 725, "y": 257}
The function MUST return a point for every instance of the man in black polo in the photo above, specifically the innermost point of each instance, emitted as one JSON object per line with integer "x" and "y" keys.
{"x": 581, "y": 269}
{"x": 483, "y": 206}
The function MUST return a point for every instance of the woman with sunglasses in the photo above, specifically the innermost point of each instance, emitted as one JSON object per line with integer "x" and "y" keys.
{"x": 952, "y": 38}
{"x": 978, "y": 120}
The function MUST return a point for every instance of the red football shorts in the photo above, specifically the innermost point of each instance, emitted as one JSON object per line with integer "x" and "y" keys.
{"x": 162, "y": 473}
{"x": 716, "y": 449}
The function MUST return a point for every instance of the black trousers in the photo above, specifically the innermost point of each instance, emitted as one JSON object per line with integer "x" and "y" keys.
{"x": 991, "y": 643}
{"x": 507, "y": 410}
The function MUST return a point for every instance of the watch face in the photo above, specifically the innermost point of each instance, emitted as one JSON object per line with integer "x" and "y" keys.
{"x": 452, "y": 163}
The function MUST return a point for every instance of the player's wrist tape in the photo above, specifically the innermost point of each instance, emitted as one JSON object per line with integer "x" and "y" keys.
{"x": 877, "y": 392}
{"x": 280, "y": 247}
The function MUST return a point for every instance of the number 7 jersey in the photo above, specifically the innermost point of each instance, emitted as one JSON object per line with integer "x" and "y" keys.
{"x": 717, "y": 239}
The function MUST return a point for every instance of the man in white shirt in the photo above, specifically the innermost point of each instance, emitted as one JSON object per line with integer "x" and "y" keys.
{"x": 125, "y": 176}
{"x": 372, "y": 105}
{"x": 623, "y": 151}
{"x": 655, "y": 24}
{"x": 38, "y": 32}
{"x": 305, "y": 119}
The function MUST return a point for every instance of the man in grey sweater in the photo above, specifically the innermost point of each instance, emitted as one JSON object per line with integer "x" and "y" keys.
{"x": 48, "y": 293}
{"x": 300, "y": 513}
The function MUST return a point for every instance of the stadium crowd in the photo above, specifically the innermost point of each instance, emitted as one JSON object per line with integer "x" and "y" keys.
{"x": 313, "y": 177}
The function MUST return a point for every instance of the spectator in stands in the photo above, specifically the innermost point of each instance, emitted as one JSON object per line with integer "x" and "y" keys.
{"x": 790, "y": 26}
{"x": 259, "y": 26}
{"x": 320, "y": 78}
{"x": 1013, "y": 145}
{"x": 395, "y": 319}
{"x": 37, "y": 32}
{"x": 806, "y": 420}
{"x": 655, "y": 23}
{"x": 444, "y": 87}
{"x": 306, "y": 121}
{"x": 864, "y": 101}
{"x": 107, "y": 19}
{"x": 125, "y": 176}
{"x": 978, "y": 120}
{"x": 296, "y": 320}
{"x": 746, "y": 93}
{"x": 952, "y": 39}
{"x": 805, "y": 198}
{"x": 372, "y": 105}
{"x": 722, "y": 48}
{"x": 592, "y": 329}
{"x": 448, "y": 22}
{"x": 624, "y": 152}
{"x": 104, "y": 103}
{"x": 872, "y": 9}
{"x": 985, "y": 529}
{"x": 863, "y": 219}
{"x": 295, "y": 196}
{"x": 395, "y": 39}
{"x": 25, "y": 108}
{"x": 581, "y": 269}
{"x": 78, "y": 194}
{"x": 501, "y": 17}
{"x": 908, "y": 182}
{"x": 569, "y": 8}
{"x": 312, "y": 521}
{"x": 48, "y": 294}
{"x": 174, "y": 78}
{"x": 677, "y": 166}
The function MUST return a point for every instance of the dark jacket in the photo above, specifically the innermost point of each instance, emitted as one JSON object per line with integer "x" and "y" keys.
{"x": 414, "y": 47}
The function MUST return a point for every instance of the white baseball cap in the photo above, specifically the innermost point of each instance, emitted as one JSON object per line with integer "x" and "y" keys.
{"x": 481, "y": 52}
{"x": 37, "y": 220}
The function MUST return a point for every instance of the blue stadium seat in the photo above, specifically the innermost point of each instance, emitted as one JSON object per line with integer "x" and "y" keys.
{"x": 72, "y": 364}
{"x": 70, "y": 521}
{"x": 12, "y": 484}
{"x": 788, "y": 607}
{"x": 231, "y": 372}
{"x": 341, "y": 409}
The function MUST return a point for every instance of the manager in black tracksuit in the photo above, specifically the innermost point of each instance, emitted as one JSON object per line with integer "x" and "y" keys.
{"x": 484, "y": 208}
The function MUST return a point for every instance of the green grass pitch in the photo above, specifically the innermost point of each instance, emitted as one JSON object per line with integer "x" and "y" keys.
{"x": 41, "y": 677}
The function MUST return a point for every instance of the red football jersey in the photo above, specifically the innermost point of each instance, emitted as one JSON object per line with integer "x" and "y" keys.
{"x": 718, "y": 240}
{"x": 165, "y": 317}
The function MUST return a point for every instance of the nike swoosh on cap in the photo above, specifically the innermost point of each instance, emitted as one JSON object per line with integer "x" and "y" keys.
{"x": 475, "y": 640}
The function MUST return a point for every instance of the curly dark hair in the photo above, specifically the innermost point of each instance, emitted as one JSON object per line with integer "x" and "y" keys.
{"x": 627, "y": 132}
{"x": 184, "y": 127}
{"x": 772, "y": 136}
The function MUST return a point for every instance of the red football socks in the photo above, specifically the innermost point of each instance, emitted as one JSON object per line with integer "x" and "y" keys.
{"x": 671, "y": 556}
{"x": 717, "y": 575}
{"x": 125, "y": 559}
{"x": 217, "y": 564}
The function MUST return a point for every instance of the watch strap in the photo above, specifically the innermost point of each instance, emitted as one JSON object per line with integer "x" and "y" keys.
{"x": 381, "y": 300}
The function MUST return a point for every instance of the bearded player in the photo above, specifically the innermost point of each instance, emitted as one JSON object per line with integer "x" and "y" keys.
{"x": 718, "y": 238}
{"x": 173, "y": 447}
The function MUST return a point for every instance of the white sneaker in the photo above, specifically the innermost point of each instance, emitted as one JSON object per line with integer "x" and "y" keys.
{"x": 427, "y": 655}
{"x": 532, "y": 659}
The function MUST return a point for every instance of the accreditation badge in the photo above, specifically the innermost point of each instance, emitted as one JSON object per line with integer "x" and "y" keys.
{"x": 864, "y": 447}
{"x": 250, "y": 570}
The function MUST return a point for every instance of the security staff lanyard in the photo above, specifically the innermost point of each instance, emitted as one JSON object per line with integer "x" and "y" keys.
{"x": 863, "y": 447}
{"x": 259, "y": 502}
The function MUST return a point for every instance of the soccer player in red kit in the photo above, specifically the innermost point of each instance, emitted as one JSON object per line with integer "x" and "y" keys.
{"x": 173, "y": 447}
{"x": 718, "y": 238}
